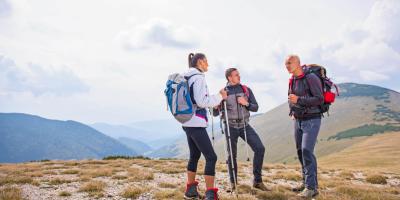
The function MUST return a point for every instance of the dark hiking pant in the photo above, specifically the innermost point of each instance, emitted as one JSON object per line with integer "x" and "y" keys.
{"x": 199, "y": 143}
{"x": 255, "y": 144}
{"x": 306, "y": 133}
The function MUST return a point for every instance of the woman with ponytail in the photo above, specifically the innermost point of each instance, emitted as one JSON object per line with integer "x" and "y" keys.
{"x": 195, "y": 129}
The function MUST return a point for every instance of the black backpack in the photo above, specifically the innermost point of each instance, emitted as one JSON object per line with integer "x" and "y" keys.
{"x": 327, "y": 85}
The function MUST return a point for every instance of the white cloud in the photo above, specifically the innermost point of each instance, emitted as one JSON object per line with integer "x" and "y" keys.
{"x": 5, "y": 8}
{"x": 373, "y": 76}
{"x": 158, "y": 33}
{"x": 38, "y": 80}
{"x": 383, "y": 22}
{"x": 367, "y": 51}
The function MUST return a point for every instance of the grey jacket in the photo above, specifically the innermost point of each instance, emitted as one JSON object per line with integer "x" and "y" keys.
{"x": 238, "y": 115}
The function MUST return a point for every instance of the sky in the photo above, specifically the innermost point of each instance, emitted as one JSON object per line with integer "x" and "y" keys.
{"x": 108, "y": 61}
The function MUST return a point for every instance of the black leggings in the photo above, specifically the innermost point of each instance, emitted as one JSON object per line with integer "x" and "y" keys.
{"x": 199, "y": 143}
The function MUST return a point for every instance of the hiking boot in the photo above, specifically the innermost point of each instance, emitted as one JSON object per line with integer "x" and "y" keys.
{"x": 299, "y": 188}
{"x": 308, "y": 193}
{"x": 260, "y": 186}
{"x": 191, "y": 191}
{"x": 212, "y": 194}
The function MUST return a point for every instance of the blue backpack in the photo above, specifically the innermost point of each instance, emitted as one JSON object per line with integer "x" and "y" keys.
{"x": 179, "y": 100}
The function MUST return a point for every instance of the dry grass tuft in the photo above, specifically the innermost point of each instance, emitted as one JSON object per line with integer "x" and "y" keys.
{"x": 73, "y": 163}
{"x": 330, "y": 183}
{"x": 50, "y": 172}
{"x": 171, "y": 167}
{"x": 376, "y": 179}
{"x": 10, "y": 193}
{"x": 70, "y": 171}
{"x": 119, "y": 177}
{"x": 245, "y": 189}
{"x": 85, "y": 178}
{"x": 64, "y": 194}
{"x": 16, "y": 180}
{"x": 133, "y": 192}
{"x": 136, "y": 174}
{"x": 346, "y": 175}
{"x": 94, "y": 173}
{"x": 94, "y": 188}
{"x": 34, "y": 174}
{"x": 168, "y": 194}
{"x": 288, "y": 175}
{"x": 58, "y": 181}
{"x": 167, "y": 185}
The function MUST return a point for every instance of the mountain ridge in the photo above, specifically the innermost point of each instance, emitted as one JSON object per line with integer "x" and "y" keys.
{"x": 25, "y": 137}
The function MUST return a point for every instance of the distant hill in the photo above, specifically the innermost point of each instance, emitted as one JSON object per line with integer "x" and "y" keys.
{"x": 159, "y": 129}
{"x": 136, "y": 145}
{"x": 26, "y": 137}
{"x": 118, "y": 131}
{"x": 177, "y": 149}
{"x": 156, "y": 134}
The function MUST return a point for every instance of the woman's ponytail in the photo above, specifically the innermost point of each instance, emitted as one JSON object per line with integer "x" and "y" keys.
{"x": 190, "y": 58}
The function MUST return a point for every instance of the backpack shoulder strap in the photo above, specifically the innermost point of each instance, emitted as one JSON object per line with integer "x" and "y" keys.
{"x": 245, "y": 90}
{"x": 290, "y": 88}
{"x": 188, "y": 77}
{"x": 191, "y": 87}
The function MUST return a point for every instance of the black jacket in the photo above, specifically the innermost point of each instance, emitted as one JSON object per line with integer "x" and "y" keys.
{"x": 309, "y": 90}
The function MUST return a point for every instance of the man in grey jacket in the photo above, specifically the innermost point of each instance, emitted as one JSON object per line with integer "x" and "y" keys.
{"x": 240, "y": 102}
{"x": 305, "y": 96}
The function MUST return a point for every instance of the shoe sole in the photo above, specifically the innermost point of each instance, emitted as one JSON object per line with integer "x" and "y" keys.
{"x": 191, "y": 198}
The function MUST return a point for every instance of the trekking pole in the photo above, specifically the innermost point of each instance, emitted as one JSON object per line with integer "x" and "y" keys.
{"x": 230, "y": 147}
{"x": 212, "y": 126}
{"x": 245, "y": 134}
{"x": 212, "y": 135}
{"x": 225, "y": 149}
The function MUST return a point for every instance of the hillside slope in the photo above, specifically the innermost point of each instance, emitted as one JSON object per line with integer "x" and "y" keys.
{"x": 26, "y": 137}
{"x": 379, "y": 153}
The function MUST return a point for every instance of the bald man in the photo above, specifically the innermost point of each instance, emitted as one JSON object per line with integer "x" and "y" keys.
{"x": 305, "y": 97}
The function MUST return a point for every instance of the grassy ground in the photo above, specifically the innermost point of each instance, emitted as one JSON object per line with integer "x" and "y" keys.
{"x": 165, "y": 179}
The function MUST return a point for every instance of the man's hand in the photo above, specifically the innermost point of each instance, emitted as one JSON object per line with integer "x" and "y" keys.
{"x": 242, "y": 101}
{"x": 223, "y": 93}
{"x": 293, "y": 98}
